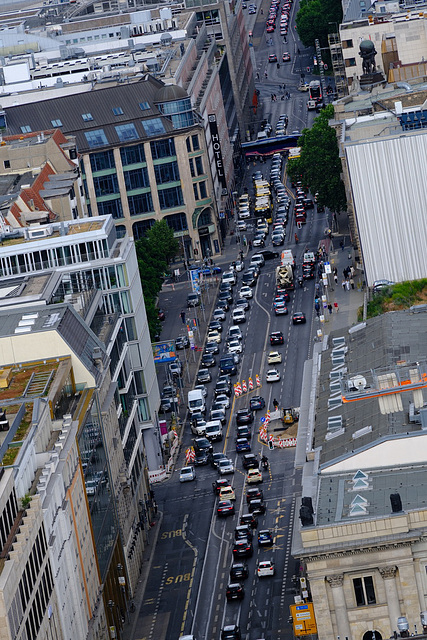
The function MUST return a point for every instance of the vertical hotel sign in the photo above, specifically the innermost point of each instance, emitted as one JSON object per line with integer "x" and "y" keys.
{"x": 213, "y": 126}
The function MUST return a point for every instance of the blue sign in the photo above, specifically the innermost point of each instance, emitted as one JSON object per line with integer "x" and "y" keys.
{"x": 195, "y": 280}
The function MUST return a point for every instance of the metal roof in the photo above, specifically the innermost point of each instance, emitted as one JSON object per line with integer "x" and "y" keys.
{"x": 99, "y": 104}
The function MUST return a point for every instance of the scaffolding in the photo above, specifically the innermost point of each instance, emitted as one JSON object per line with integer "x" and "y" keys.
{"x": 338, "y": 64}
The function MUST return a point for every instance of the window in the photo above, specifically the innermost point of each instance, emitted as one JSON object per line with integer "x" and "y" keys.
{"x": 136, "y": 179}
{"x": 199, "y": 165}
{"x": 195, "y": 142}
{"x": 196, "y": 191}
{"x": 105, "y": 185}
{"x": 364, "y": 591}
{"x": 56, "y": 123}
{"x": 191, "y": 163}
{"x": 163, "y": 148}
{"x": 167, "y": 172}
{"x": 153, "y": 126}
{"x": 347, "y": 44}
{"x": 144, "y": 106}
{"x": 26, "y": 128}
{"x": 6, "y": 164}
{"x": 126, "y": 132}
{"x": 140, "y": 228}
{"x": 177, "y": 221}
{"x": 133, "y": 154}
{"x": 350, "y": 62}
{"x": 96, "y": 138}
{"x": 205, "y": 218}
{"x": 202, "y": 189}
{"x": 102, "y": 160}
{"x": 118, "y": 111}
{"x": 169, "y": 198}
{"x": 140, "y": 203}
{"x": 87, "y": 117}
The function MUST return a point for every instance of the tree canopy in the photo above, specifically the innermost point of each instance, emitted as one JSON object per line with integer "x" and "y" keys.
{"x": 319, "y": 166}
{"x": 154, "y": 252}
{"x": 314, "y": 18}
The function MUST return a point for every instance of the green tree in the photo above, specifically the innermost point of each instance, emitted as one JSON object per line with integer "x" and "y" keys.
{"x": 154, "y": 252}
{"x": 319, "y": 166}
{"x": 314, "y": 18}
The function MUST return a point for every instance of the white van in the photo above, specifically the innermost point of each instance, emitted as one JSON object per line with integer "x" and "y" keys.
{"x": 196, "y": 401}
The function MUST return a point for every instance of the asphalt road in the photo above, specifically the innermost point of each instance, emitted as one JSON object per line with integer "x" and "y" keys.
{"x": 186, "y": 589}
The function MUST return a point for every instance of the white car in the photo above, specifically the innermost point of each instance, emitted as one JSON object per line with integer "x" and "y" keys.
{"x": 265, "y": 568}
{"x": 246, "y": 292}
{"x": 244, "y": 213}
{"x": 239, "y": 315}
{"x": 223, "y": 399}
{"x": 187, "y": 474}
{"x": 235, "y": 346}
{"x": 238, "y": 265}
{"x": 219, "y": 314}
{"x": 241, "y": 225}
{"x": 272, "y": 375}
{"x": 91, "y": 486}
{"x": 225, "y": 466}
{"x": 274, "y": 357}
{"x": 202, "y": 388}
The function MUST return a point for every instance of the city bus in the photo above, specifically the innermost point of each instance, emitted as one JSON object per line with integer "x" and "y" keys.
{"x": 315, "y": 91}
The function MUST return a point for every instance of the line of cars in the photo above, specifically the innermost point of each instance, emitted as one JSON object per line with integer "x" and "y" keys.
{"x": 284, "y": 17}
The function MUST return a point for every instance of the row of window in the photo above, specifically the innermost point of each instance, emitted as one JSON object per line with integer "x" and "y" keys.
{"x": 125, "y": 132}
{"x": 7, "y": 518}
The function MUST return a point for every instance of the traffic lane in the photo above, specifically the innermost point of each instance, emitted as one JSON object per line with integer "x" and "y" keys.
{"x": 163, "y": 610}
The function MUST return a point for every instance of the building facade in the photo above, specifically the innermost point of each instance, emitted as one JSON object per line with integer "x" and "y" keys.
{"x": 144, "y": 157}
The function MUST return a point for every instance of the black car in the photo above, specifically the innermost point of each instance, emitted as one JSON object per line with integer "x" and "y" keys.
{"x": 243, "y": 432}
{"x": 298, "y": 318}
{"x": 226, "y": 295}
{"x": 250, "y": 461}
{"x": 224, "y": 286}
{"x": 243, "y": 548}
{"x": 239, "y": 571}
{"x": 235, "y": 591}
{"x": 254, "y": 493}
{"x": 243, "y": 531}
{"x": 182, "y": 342}
{"x": 225, "y": 508}
{"x": 276, "y": 337}
{"x": 222, "y": 387}
{"x": 269, "y": 255}
{"x": 223, "y": 304}
{"x": 256, "y": 403}
{"x": 215, "y": 325}
{"x": 249, "y": 279}
{"x": 231, "y": 632}
{"x": 208, "y": 360}
{"x": 201, "y": 459}
{"x": 244, "y": 416}
{"x": 204, "y": 376}
{"x": 249, "y": 519}
{"x": 257, "y": 507}
{"x": 202, "y": 444}
{"x": 212, "y": 347}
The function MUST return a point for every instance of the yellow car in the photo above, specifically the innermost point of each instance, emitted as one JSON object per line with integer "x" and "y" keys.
{"x": 214, "y": 336}
{"x": 274, "y": 357}
{"x": 254, "y": 476}
{"x": 227, "y": 493}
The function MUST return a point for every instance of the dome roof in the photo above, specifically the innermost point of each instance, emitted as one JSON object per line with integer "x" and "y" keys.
{"x": 171, "y": 92}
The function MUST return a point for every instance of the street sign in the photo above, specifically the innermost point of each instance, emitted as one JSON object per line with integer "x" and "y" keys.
{"x": 327, "y": 267}
{"x": 303, "y": 619}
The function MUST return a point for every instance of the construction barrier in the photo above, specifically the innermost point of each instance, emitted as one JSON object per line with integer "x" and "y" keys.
{"x": 251, "y": 384}
{"x": 244, "y": 387}
{"x": 258, "y": 381}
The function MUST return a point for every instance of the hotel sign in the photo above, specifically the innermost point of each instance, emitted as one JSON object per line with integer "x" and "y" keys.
{"x": 216, "y": 144}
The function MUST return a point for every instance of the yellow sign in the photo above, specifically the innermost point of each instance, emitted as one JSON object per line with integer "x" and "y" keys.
{"x": 303, "y": 619}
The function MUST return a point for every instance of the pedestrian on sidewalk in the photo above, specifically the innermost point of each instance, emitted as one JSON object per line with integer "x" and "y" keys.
{"x": 343, "y": 284}
{"x": 257, "y": 75}
{"x": 352, "y": 283}
{"x": 352, "y": 271}
{"x": 182, "y": 314}
{"x": 347, "y": 285}
{"x": 336, "y": 307}
{"x": 330, "y": 308}
{"x": 336, "y": 278}
{"x": 342, "y": 244}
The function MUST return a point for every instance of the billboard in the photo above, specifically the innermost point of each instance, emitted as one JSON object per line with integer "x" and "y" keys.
{"x": 164, "y": 351}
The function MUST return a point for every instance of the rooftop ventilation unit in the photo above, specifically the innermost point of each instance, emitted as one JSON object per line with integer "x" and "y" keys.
{"x": 334, "y": 434}
{"x": 337, "y": 374}
{"x": 335, "y": 402}
{"x": 338, "y": 358}
{"x": 356, "y": 383}
{"x": 362, "y": 432}
{"x": 357, "y": 327}
{"x": 338, "y": 342}
{"x": 341, "y": 349}
{"x": 334, "y": 423}
{"x": 335, "y": 386}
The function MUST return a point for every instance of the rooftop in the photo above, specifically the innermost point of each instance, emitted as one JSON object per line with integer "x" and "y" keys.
{"x": 382, "y": 436}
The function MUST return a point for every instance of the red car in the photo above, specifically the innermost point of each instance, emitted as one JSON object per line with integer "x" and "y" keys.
{"x": 270, "y": 28}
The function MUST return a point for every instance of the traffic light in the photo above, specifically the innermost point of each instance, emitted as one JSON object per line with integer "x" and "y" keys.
{"x": 271, "y": 445}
